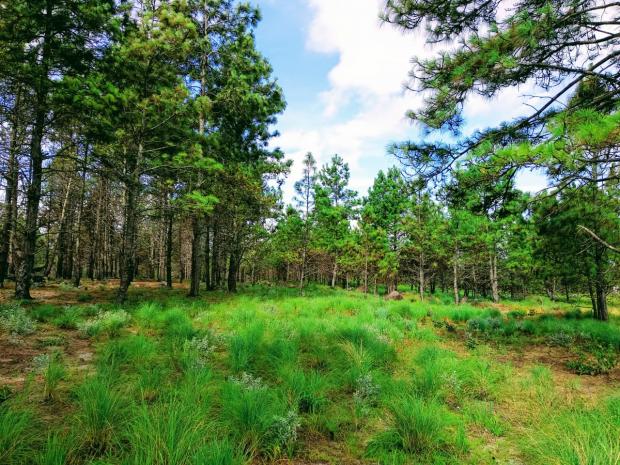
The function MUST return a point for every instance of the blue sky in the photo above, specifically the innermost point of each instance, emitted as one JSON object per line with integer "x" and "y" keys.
{"x": 343, "y": 72}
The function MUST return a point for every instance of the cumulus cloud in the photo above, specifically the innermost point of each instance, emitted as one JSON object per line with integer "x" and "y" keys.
{"x": 364, "y": 108}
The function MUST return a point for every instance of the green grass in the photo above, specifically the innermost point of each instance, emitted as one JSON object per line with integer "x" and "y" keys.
{"x": 332, "y": 377}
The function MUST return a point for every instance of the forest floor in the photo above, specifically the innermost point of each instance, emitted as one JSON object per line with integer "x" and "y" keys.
{"x": 334, "y": 377}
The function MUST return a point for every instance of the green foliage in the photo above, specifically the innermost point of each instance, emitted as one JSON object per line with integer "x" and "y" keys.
{"x": 598, "y": 359}
{"x": 14, "y": 320}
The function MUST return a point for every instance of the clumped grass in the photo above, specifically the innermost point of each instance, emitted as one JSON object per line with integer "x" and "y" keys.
{"x": 101, "y": 416}
{"x": 16, "y": 435}
{"x": 53, "y": 374}
{"x": 577, "y": 436}
{"x": 168, "y": 432}
{"x": 259, "y": 417}
{"x": 418, "y": 427}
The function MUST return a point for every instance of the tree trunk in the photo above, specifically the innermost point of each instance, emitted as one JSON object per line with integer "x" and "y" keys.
{"x": 334, "y": 272}
{"x": 10, "y": 201}
{"x": 233, "y": 267}
{"x": 33, "y": 197}
{"x": 169, "y": 245}
{"x": 493, "y": 277}
{"x": 77, "y": 257}
{"x": 455, "y": 282}
{"x": 130, "y": 227}
{"x": 196, "y": 269}
{"x": 208, "y": 257}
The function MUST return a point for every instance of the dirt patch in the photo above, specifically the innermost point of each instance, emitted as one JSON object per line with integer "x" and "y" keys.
{"x": 17, "y": 354}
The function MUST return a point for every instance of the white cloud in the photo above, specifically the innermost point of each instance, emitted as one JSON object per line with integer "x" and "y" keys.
{"x": 364, "y": 108}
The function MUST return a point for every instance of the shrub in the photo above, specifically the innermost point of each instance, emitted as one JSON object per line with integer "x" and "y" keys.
{"x": 15, "y": 321}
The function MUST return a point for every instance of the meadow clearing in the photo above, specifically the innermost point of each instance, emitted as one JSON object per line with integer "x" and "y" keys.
{"x": 334, "y": 377}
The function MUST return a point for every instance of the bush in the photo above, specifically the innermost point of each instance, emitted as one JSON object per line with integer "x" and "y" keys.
{"x": 15, "y": 321}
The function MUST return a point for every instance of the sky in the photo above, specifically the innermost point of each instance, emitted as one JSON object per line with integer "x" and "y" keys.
{"x": 343, "y": 74}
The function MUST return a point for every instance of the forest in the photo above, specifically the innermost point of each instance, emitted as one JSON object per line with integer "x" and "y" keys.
{"x": 165, "y": 301}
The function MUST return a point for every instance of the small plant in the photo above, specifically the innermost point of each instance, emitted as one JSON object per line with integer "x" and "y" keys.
{"x": 560, "y": 339}
{"x": 366, "y": 390}
{"x": 105, "y": 323}
{"x": 284, "y": 431}
{"x": 600, "y": 359}
{"x": 248, "y": 381}
{"x": 68, "y": 319}
{"x": 15, "y": 321}
{"x": 199, "y": 350}
{"x": 517, "y": 314}
{"x": 51, "y": 341}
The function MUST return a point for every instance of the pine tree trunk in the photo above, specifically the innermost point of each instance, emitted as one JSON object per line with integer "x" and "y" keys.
{"x": 77, "y": 257}
{"x": 169, "y": 245}
{"x": 197, "y": 258}
{"x": 455, "y": 282}
{"x": 10, "y": 201}
{"x": 130, "y": 227}
{"x": 33, "y": 197}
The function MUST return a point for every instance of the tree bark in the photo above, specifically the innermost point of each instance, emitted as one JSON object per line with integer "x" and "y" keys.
{"x": 10, "y": 201}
